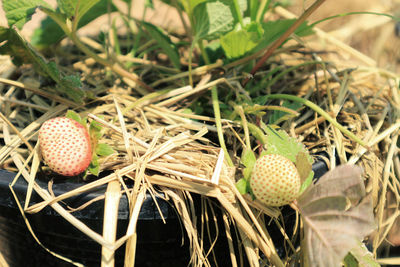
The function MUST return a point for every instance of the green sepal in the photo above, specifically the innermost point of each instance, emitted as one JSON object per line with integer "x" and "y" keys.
{"x": 248, "y": 159}
{"x": 74, "y": 115}
{"x": 104, "y": 150}
{"x": 95, "y": 130}
{"x": 94, "y": 166}
{"x": 241, "y": 186}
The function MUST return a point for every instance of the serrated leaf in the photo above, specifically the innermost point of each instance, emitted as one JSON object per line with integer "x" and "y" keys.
{"x": 336, "y": 214}
{"x": 20, "y": 12}
{"x": 213, "y": 19}
{"x": 104, "y": 150}
{"x": 165, "y": 43}
{"x": 239, "y": 42}
{"x": 279, "y": 142}
{"x": 241, "y": 186}
{"x": 19, "y": 50}
{"x": 22, "y": 52}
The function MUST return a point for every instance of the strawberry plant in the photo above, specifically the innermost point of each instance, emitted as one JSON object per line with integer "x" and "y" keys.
{"x": 208, "y": 110}
{"x": 69, "y": 148}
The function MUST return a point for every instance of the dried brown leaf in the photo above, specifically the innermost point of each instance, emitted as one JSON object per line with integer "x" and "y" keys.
{"x": 336, "y": 214}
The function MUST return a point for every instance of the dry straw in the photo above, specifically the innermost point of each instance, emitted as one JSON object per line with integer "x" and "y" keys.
{"x": 164, "y": 151}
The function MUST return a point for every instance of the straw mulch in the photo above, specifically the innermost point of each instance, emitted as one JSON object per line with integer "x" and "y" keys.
{"x": 167, "y": 152}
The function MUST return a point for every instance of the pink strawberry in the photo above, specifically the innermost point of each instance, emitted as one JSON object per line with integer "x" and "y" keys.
{"x": 275, "y": 180}
{"x": 65, "y": 146}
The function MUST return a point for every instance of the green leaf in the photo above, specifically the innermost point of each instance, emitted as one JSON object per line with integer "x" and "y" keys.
{"x": 71, "y": 85}
{"x": 23, "y": 53}
{"x": 41, "y": 37}
{"x": 241, "y": 185}
{"x": 84, "y": 7}
{"x": 189, "y": 5}
{"x": 165, "y": 43}
{"x": 213, "y": 19}
{"x": 279, "y": 142}
{"x": 239, "y": 42}
{"x": 68, "y": 7}
{"x": 274, "y": 29}
{"x": 20, "y": 50}
{"x": 19, "y": 12}
{"x": 104, "y": 150}
{"x": 186, "y": 5}
{"x": 94, "y": 166}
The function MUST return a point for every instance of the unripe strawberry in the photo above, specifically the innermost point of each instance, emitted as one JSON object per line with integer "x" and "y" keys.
{"x": 65, "y": 146}
{"x": 275, "y": 180}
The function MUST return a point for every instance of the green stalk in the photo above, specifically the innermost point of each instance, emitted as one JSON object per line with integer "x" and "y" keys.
{"x": 218, "y": 124}
{"x": 239, "y": 110}
{"x": 261, "y": 9}
{"x": 238, "y": 13}
{"x": 321, "y": 112}
{"x": 203, "y": 52}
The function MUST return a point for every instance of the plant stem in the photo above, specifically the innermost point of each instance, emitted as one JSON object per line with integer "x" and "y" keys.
{"x": 321, "y": 112}
{"x": 217, "y": 115}
{"x": 143, "y": 88}
{"x": 238, "y": 13}
{"x": 203, "y": 52}
{"x": 239, "y": 110}
{"x": 283, "y": 38}
{"x": 261, "y": 9}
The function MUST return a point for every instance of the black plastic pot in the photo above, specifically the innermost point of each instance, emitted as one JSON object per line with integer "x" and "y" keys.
{"x": 158, "y": 244}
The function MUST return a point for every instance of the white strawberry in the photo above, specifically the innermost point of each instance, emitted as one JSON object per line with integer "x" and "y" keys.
{"x": 275, "y": 180}
{"x": 65, "y": 146}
